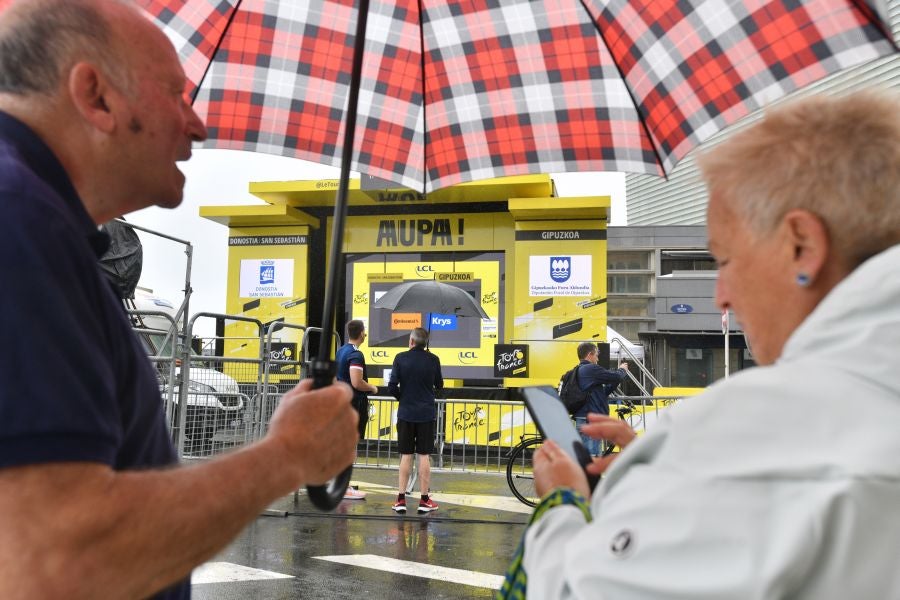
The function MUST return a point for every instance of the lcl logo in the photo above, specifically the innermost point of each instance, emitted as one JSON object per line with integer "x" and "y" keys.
{"x": 380, "y": 356}
{"x": 467, "y": 357}
{"x": 425, "y": 271}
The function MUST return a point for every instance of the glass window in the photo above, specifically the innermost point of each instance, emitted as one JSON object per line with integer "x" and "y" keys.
{"x": 691, "y": 367}
{"x": 627, "y": 307}
{"x": 629, "y": 329}
{"x": 628, "y": 261}
{"x": 686, "y": 260}
{"x": 628, "y": 284}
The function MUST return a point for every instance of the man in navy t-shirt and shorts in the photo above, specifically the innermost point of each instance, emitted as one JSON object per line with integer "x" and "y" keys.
{"x": 351, "y": 369}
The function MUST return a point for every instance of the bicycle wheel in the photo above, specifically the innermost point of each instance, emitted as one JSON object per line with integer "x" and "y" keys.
{"x": 519, "y": 472}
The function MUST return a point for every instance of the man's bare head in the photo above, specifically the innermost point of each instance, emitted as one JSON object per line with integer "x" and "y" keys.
{"x": 104, "y": 88}
{"x": 40, "y": 40}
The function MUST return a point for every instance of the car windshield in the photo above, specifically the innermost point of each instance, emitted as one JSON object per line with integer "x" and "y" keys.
{"x": 159, "y": 343}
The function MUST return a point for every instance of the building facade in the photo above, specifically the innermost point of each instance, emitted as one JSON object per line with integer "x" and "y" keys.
{"x": 661, "y": 288}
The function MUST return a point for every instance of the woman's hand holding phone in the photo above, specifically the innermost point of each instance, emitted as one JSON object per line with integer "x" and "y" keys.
{"x": 554, "y": 468}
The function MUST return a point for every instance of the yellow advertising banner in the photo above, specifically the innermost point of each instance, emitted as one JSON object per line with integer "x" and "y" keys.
{"x": 267, "y": 281}
{"x": 427, "y": 232}
{"x": 382, "y": 423}
{"x": 486, "y": 424}
{"x": 560, "y": 293}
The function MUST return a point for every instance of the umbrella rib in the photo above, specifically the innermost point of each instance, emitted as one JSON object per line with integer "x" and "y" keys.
{"x": 215, "y": 51}
{"x": 425, "y": 144}
{"x": 637, "y": 106}
{"x": 874, "y": 17}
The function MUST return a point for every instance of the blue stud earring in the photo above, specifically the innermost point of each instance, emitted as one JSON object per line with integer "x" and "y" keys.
{"x": 802, "y": 280}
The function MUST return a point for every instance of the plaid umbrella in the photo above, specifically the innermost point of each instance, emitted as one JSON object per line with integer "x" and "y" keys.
{"x": 460, "y": 90}
{"x": 448, "y": 91}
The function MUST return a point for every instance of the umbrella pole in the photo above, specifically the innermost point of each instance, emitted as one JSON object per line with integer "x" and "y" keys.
{"x": 328, "y": 496}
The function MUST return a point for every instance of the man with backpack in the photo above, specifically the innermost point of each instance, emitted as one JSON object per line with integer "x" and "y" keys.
{"x": 593, "y": 384}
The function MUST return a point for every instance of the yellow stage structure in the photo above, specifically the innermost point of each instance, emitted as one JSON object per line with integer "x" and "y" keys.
{"x": 535, "y": 262}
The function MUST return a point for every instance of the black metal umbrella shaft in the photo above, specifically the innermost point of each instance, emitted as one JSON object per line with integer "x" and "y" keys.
{"x": 323, "y": 368}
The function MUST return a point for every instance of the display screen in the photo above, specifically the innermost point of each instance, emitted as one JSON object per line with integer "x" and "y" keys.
{"x": 464, "y": 344}
{"x": 447, "y": 331}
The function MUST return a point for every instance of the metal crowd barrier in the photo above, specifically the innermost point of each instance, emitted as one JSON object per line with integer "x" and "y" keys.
{"x": 231, "y": 401}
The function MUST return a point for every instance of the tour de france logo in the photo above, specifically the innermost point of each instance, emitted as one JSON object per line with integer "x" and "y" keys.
{"x": 560, "y": 268}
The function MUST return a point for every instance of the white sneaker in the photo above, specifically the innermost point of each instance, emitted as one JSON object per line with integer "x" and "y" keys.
{"x": 354, "y": 494}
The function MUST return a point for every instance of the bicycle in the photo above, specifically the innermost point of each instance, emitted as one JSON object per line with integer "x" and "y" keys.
{"x": 520, "y": 469}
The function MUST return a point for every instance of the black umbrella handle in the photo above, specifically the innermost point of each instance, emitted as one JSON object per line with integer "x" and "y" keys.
{"x": 328, "y": 496}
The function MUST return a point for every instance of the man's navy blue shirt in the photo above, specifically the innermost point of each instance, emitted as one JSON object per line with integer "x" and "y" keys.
{"x": 601, "y": 382}
{"x": 76, "y": 383}
{"x": 349, "y": 355}
{"x": 415, "y": 377}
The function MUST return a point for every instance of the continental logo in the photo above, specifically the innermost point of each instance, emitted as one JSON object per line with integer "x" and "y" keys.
{"x": 467, "y": 357}
{"x": 380, "y": 356}
{"x": 420, "y": 232}
{"x": 406, "y": 321}
{"x": 455, "y": 277}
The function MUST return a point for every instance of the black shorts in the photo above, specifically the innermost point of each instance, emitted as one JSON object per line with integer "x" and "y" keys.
{"x": 415, "y": 438}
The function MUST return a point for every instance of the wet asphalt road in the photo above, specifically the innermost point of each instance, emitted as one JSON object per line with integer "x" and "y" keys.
{"x": 473, "y": 534}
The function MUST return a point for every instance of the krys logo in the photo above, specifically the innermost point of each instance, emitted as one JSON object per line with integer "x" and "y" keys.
{"x": 560, "y": 268}
{"x": 380, "y": 356}
{"x": 425, "y": 271}
{"x": 267, "y": 272}
{"x": 467, "y": 357}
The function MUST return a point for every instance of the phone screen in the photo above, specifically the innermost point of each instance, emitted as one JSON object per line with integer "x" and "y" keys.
{"x": 553, "y": 421}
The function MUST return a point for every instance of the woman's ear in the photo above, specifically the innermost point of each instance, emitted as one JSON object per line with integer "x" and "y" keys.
{"x": 811, "y": 244}
{"x": 89, "y": 92}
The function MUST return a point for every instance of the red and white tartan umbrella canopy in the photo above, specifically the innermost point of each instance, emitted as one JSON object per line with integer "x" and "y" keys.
{"x": 460, "y": 90}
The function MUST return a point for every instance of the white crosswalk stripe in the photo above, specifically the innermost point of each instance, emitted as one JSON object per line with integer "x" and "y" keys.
{"x": 406, "y": 567}
{"x": 225, "y": 572}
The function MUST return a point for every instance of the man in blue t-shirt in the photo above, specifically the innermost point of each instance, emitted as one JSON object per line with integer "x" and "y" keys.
{"x": 92, "y": 502}
{"x": 351, "y": 369}
{"x": 601, "y": 383}
{"x": 415, "y": 379}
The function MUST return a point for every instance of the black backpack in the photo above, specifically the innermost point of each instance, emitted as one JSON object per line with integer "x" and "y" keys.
{"x": 570, "y": 393}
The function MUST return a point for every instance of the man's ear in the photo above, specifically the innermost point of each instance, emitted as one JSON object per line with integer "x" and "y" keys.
{"x": 90, "y": 91}
{"x": 810, "y": 242}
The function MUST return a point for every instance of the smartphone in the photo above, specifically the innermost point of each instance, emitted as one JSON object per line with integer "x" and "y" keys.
{"x": 554, "y": 423}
